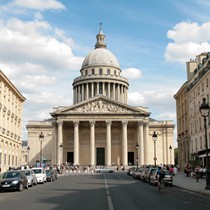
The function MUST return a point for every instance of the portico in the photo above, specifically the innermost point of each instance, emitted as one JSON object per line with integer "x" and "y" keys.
{"x": 106, "y": 124}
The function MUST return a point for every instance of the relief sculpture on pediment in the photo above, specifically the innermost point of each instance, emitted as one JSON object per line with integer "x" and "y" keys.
{"x": 99, "y": 106}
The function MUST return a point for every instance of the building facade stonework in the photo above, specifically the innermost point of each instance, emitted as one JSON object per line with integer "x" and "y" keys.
{"x": 100, "y": 128}
{"x": 190, "y": 123}
{"x": 11, "y": 102}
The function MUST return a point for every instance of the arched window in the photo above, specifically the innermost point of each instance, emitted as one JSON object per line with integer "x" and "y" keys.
{"x": 108, "y": 72}
{"x": 100, "y": 71}
{"x": 115, "y": 73}
{"x": 93, "y": 72}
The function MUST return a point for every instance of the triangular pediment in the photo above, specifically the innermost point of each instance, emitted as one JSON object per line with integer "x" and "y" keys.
{"x": 101, "y": 105}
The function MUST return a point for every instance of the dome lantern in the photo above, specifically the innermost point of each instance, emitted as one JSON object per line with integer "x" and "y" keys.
{"x": 100, "y": 38}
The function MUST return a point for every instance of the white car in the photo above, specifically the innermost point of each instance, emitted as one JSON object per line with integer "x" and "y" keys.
{"x": 104, "y": 170}
{"x": 32, "y": 180}
{"x": 40, "y": 175}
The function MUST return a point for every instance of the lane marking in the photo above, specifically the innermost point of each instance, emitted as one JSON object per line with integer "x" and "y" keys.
{"x": 108, "y": 195}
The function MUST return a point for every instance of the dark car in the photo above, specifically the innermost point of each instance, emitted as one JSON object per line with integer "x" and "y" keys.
{"x": 13, "y": 180}
{"x": 51, "y": 176}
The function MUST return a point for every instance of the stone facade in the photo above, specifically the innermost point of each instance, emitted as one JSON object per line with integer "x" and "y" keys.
{"x": 183, "y": 137}
{"x": 190, "y": 123}
{"x": 100, "y": 128}
{"x": 11, "y": 102}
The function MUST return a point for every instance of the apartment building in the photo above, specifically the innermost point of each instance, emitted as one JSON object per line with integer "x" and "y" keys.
{"x": 183, "y": 137}
{"x": 11, "y": 106}
{"x": 196, "y": 88}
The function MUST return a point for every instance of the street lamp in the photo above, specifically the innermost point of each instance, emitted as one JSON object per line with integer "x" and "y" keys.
{"x": 204, "y": 110}
{"x": 41, "y": 139}
{"x": 28, "y": 149}
{"x": 170, "y": 148}
{"x": 137, "y": 158}
{"x": 154, "y": 137}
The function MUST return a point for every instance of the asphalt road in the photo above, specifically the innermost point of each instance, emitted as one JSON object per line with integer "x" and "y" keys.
{"x": 101, "y": 192}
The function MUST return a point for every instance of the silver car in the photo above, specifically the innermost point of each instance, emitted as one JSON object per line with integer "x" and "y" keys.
{"x": 32, "y": 180}
{"x": 104, "y": 169}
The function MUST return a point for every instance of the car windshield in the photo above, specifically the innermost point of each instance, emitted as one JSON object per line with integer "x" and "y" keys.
{"x": 11, "y": 175}
{"x": 37, "y": 171}
{"x": 27, "y": 173}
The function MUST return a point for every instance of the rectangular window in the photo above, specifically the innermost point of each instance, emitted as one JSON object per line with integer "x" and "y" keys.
{"x": 12, "y": 159}
{"x": 200, "y": 142}
{"x": 5, "y": 159}
{"x": 9, "y": 160}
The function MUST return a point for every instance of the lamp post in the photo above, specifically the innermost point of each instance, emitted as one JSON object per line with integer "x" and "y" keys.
{"x": 204, "y": 110}
{"x": 41, "y": 139}
{"x": 170, "y": 148}
{"x": 154, "y": 137}
{"x": 28, "y": 149}
{"x": 137, "y": 158}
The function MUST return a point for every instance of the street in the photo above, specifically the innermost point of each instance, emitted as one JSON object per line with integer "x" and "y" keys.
{"x": 101, "y": 192}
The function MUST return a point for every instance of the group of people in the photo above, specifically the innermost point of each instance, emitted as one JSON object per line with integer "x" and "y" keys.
{"x": 197, "y": 171}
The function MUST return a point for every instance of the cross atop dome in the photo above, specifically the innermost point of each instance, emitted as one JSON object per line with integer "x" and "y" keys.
{"x": 100, "y": 38}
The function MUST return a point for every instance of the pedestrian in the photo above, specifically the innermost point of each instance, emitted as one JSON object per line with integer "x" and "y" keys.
{"x": 197, "y": 172}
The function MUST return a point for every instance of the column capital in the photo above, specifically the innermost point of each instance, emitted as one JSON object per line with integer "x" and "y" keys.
{"x": 140, "y": 123}
{"x": 60, "y": 123}
{"x": 76, "y": 122}
{"x": 146, "y": 123}
{"x": 124, "y": 123}
{"x": 92, "y": 123}
{"x": 108, "y": 123}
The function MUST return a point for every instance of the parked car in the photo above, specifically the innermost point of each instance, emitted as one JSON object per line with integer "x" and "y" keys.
{"x": 143, "y": 174}
{"x": 168, "y": 178}
{"x": 40, "y": 174}
{"x": 104, "y": 170}
{"x": 131, "y": 170}
{"x": 50, "y": 175}
{"x": 148, "y": 173}
{"x": 136, "y": 173}
{"x": 13, "y": 180}
{"x": 32, "y": 180}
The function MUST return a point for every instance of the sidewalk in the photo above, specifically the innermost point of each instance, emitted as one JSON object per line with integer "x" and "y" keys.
{"x": 189, "y": 183}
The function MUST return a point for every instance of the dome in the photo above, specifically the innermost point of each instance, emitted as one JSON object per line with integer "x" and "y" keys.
{"x": 100, "y": 56}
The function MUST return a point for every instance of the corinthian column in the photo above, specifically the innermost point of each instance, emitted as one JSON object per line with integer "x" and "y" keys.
{"x": 108, "y": 143}
{"x": 140, "y": 142}
{"x": 124, "y": 143}
{"x": 146, "y": 135}
{"x": 92, "y": 143}
{"x": 60, "y": 141}
{"x": 76, "y": 143}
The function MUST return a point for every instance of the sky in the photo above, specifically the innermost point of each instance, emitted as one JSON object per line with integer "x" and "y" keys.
{"x": 44, "y": 42}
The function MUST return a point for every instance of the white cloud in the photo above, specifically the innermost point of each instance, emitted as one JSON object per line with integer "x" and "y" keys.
{"x": 40, "y": 4}
{"x": 38, "y": 15}
{"x": 160, "y": 100}
{"x": 189, "y": 40}
{"x": 132, "y": 73}
{"x": 37, "y": 45}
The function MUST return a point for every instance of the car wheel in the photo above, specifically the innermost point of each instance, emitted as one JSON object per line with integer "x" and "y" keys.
{"x": 20, "y": 187}
{"x": 26, "y": 187}
{"x": 98, "y": 171}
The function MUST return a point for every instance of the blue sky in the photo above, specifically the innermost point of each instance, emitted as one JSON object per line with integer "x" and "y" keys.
{"x": 44, "y": 42}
